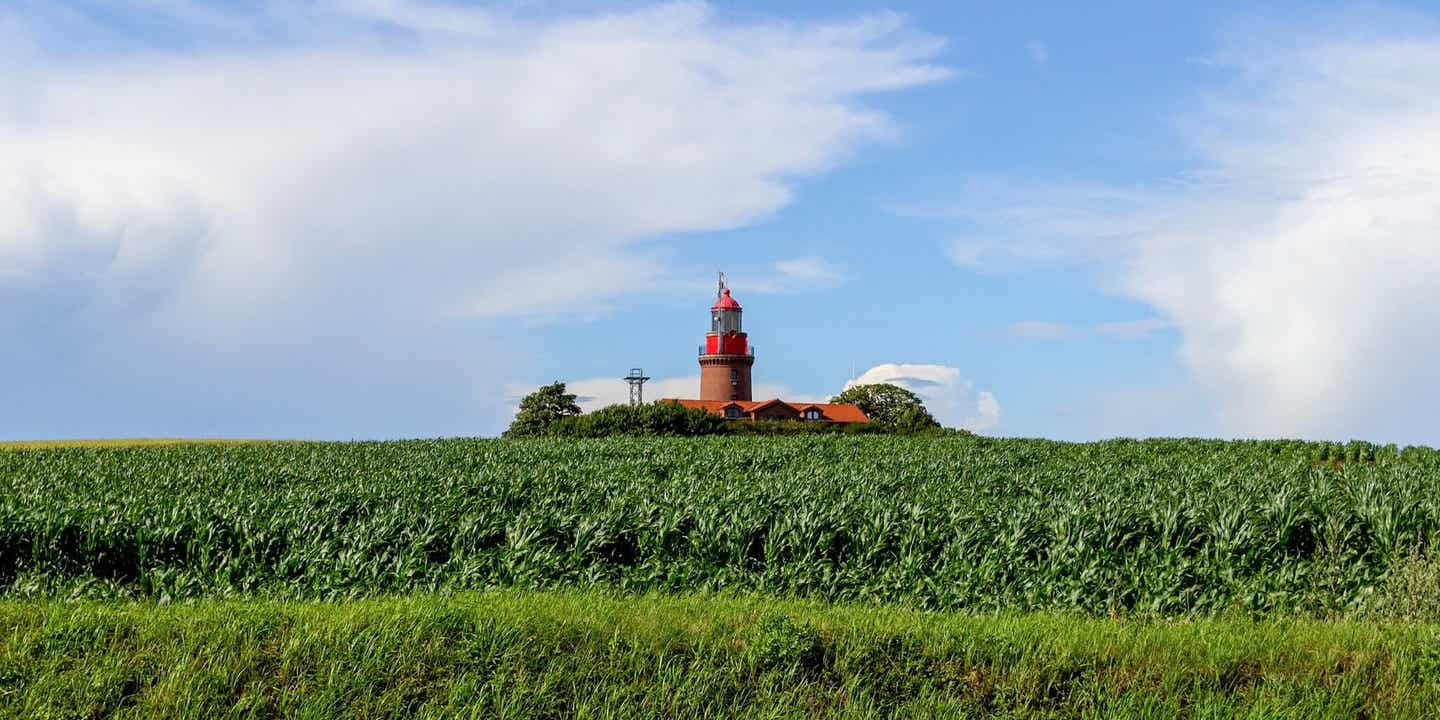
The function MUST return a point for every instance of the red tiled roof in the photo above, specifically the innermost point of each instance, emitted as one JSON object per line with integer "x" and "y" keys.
{"x": 833, "y": 412}
{"x": 759, "y": 405}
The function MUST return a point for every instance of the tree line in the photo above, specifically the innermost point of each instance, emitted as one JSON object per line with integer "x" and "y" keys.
{"x": 552, "y": 411}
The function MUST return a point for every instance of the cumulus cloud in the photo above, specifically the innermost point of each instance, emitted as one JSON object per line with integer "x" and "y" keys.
{"x": 443, "y": 165}
{"x": 317, "y": 182}
{"x": 952, "y": 399}
{"x": 1301, "y": 267}
{"x": 1297, "y": 260}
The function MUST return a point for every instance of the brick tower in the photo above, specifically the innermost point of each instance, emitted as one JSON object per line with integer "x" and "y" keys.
{"x": 726, "y": 358}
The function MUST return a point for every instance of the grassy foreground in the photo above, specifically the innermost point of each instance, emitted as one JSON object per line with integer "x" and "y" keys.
{"x": 527, "y": 654}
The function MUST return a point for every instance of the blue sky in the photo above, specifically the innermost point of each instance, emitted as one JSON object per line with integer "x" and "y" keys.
{"x": 391, "y": 218}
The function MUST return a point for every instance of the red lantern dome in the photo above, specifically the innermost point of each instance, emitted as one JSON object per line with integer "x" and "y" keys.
{"x": 725, "y": 302}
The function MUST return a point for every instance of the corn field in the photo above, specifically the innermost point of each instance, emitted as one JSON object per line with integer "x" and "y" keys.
{"x": 1166, "y": 527}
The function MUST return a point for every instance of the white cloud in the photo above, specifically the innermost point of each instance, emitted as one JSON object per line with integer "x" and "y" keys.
{"x": 1039, "y": 329}
{"x": 365, "y": 171}
{"x": 808, "y": 270}
{"x": 1298, "y": 261}
{"x": 952, "y": 399}
{"x": 1301, "y": 269}
{"x": 1012, "y": 224}
{"x": 435, "y": 172}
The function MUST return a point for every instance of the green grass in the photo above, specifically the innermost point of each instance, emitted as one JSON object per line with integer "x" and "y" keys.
{"x": 515, "y": 654}
{"x": 1167, "y": 528}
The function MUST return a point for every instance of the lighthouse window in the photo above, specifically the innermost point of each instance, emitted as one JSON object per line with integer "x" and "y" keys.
{"x": 734, "y": 376}
{"x": 812, "y": 414}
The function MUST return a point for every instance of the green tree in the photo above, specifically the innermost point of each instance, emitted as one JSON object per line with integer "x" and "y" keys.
{"x": 656, "y": 418}
{"x": 542, "y": 408}
{"x": 890, "y": 405}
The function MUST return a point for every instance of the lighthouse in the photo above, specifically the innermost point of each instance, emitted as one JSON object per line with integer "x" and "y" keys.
{"x": 725, "y": 362}
{"x": 726, "y": 357}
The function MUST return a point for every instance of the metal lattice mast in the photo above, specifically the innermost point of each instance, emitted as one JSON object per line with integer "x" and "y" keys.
{"x": 636, "y": 379}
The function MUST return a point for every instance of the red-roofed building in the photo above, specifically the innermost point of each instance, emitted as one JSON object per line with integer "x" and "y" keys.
{"x": 778, "y": 409}
{"x": 725, "y": 362}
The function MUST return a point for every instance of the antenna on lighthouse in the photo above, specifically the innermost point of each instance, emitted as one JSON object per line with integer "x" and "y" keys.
{"x": 720, "y": 285}
{"x": 636, "y": 379}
